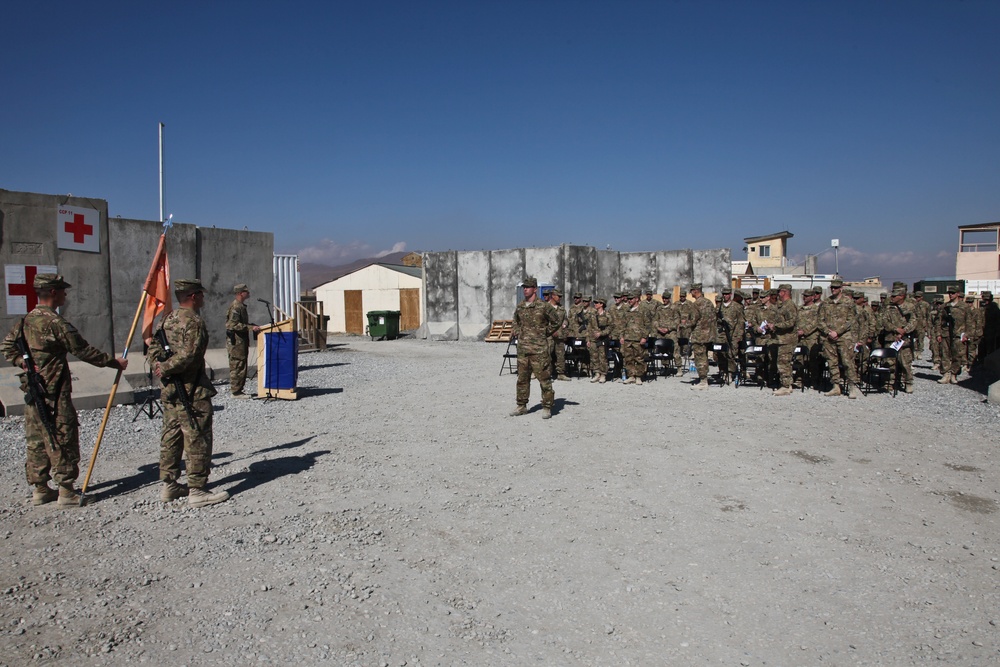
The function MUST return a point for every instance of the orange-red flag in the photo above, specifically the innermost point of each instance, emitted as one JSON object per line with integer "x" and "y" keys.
{"x": 157, "y": 290}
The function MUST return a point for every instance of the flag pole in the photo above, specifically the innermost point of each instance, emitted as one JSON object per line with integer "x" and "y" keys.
{"x": 160, "y": 249}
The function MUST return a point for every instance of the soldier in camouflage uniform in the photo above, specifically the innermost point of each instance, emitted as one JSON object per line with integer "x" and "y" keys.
{"x": 732, "y": 318}
{"x": 703, "y": 331}
{"x": 991, "y": 325}
{"x": 187, "y": 417}
{"x": 953, "y": 335}
{"x": 635, "y": 328}
{"x": 807, "y": 329}
{"x": 534, "y": 323}
{"x": 868, "y": 325}
{"x": 668, "y": 323}
{"x": 785, "y": 336}
{"x": 49, "y": 338}
{"x": 922, "y": 309}
{"x": 238, "y": 329}
{"x": 975, "y": 331}
{"x": 838, "y": 319}
{"x": 560, "y": 336}
{"x": 598, "y": 328}
{"x": 897, "y": 325}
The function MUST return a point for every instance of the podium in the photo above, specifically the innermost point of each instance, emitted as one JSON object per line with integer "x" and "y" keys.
{"x": 278, "y": 361}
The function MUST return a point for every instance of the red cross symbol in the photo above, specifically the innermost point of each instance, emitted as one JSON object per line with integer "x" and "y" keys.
{"x": 78, "y": 228}
{"x": 27, "y": 289}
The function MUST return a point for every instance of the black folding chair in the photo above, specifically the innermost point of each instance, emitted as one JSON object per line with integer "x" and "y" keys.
{"x": 510, "y": 357}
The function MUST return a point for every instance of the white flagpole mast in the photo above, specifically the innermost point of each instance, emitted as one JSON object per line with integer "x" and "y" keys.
{"x": 161, "y": 172}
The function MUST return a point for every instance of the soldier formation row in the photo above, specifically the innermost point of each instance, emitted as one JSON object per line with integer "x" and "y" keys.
{"x": 758, "y": 332}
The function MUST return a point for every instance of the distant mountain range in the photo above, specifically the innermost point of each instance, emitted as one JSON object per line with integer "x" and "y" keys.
{"x": 313, "y": 275}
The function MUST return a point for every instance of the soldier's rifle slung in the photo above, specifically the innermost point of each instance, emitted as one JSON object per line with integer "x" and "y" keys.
{"x": 37, "y": 392}
{"x": 161, "y": 337}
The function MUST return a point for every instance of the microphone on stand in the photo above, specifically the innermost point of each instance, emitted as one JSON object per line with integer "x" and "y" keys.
{"x": 264, "y": 301}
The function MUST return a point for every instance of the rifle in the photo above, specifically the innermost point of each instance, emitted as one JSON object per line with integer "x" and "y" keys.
{"x": 581, "y": 319}
{"x": 37, "y": 391}
{"x": 182, "y": 394}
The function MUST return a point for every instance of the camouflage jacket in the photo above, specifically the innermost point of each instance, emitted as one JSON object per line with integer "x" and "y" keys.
{"x": 735, "y": 321}
{"x": 563, "y": 330}
{"x": 635, "y": 324}
{"x": 703, "y": 327}
{"x": 237, "y": 320}
{"x": 786, "y": 314}
{"x": 668, "y": 319}
{"x": 895, "y": 317}
{"x": 868, "y": 325}
{"x": 598, "y": 325}
{"x": 957, "y": 314}
{"x": 188, "y": 338}
{"x": 50, "y": 338}
{"x": 534, "y": 323}
{"x": 808, "y": 324}
{"x": 838, "y": 315}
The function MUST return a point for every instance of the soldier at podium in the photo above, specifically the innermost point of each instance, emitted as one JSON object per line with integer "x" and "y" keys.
{"x": 238, "y": 329}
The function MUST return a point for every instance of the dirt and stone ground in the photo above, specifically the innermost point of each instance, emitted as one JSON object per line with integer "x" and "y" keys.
{"x": 395, "y": 515}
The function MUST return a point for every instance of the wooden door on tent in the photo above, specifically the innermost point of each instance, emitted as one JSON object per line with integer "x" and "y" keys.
{"x": 354, "y": 318}
{"x": 409, "y": 309}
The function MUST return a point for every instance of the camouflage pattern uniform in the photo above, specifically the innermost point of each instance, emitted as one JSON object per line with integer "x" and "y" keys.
{"x": 237, "y": 342}
{"x": 895, "y": 317}
{"x": 923, "y": 312}
{"x": 558, "y": 340}
{"x": 534, "y": 323}
{"x": 838, "y": 314}
{"x": 975, "y": 331}
{"x": 187, "y": 336}
{"x": 734, "y": 318}
{"x": 703, "y": 331}
{"x": 807, "y": 326}
{"x": 785, "y": 337}
{"x": 50, "y": 338}
{"x": 598, "y": 328}
{"x": 954, "y": 326}
{"x": 635, "y": 328}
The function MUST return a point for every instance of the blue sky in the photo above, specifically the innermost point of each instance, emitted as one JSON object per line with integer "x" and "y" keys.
{"x": 354, "y": 128}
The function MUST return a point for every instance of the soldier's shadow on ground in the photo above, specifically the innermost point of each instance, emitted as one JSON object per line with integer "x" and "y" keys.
{"x": 317, "y": 366}
{"x": 310, "y": 392}
{"x": 558, "y": 405}
{"x": 262, "y": 472}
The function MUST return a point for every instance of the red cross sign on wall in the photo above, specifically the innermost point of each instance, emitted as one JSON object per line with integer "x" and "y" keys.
{"x": 78, "y": 229}
{"x": 20, "y": 279}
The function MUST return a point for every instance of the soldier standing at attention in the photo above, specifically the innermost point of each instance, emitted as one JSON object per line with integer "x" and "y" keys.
{"x": 923, "y": 312}
{"x": 974, "y": 330}
{"x": 785, "y": 336}
{"x": 238, "y": 329}
{"x": 954, "y": 321}
{"x": 897, "y": 324}
{"x": 187, "y": 399}
{"x": 703, "y": 329}
{"x": 49, "y": 338}
{"x": 838, "y": 319}
{"x": 598, "y": 330}
{"x": 534, "y": 323}
{"x": 634, "y": 333}
{"x": 732, "y": 318}
{"x": 561, "y": 334}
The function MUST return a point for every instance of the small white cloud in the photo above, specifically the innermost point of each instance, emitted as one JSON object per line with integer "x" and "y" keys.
{"x": 398, "y": 247}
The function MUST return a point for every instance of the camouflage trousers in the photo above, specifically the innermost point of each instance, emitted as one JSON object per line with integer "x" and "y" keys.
{"x": 179, "y": 437}
{"x": 598, "y": 357}
{"x": 538, "y": 364}
{"x": 238, "y": 353}
{"x": 699, "y": 352}
{"x": 953, "y": 355}
{"x": 904, "y": 358}
{"x": 559, "y": 345}
{"x": 43, "y": 461}
{"x": 634, "y": 359}
{"x": 839, "y": 353}
{"x": 783, "y": 353}
{"x": 918, "y": 343}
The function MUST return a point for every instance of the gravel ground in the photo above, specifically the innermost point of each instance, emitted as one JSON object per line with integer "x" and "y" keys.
{"x": 394, "y": 515}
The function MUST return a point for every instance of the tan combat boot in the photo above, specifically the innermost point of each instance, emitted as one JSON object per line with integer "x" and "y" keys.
{"x": 546, "y": 413}
{"x": 43, "y": 494}
{"x": 596, "y": 378}
{"x": 638, "y": 380}
{"x": 854, "y": 391}
{"x": 520, "y": 410}
{"x": 68, "y": 497}
{"x": 602, "y": 380}
{"x": 201, "y": 497}
{"x": 629, "y": 381}
{"x": 908, "y": 388}
{"x": 173, "y": 491}
{"x": 784, "y": 391}
{"x": 701, "y": 384}
{"x": 836, "y": 391}
{"x": 947, "y": 379}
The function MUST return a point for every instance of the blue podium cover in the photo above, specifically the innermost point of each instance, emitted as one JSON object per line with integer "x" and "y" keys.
{"x": 281, "y": 360}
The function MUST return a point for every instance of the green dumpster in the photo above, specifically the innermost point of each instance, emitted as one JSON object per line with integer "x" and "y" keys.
{"x": 383, "y": 324}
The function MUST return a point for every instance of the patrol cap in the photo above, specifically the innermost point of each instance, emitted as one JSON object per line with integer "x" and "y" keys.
{"x": 242, "y": 287}
{"x": 837, "y": 283}
{"x": 918, "y": 293}
{"x": 817, "y": 290}
{"x": 883, "y": 295}
{"x": 587, "y": 297}
{"x": 727, "y": 290}
{"x": 557, "y": 292}
{"x": 784, "y": 286}
{"x": 695, "y": 286}
{"x": 188, "y": 286}
{"x": 899, "y": 291}
{"x": 49, "y": 281}
{"x": 986, "y": 295}
{"x": 952, "y": 289}
{"x": 744, "y": 294}
{"x": 899, "y": 283}
{"x": 756, "y": 290}
{"x": 529, "y": 281}
{"x": 601, "y": 300}
{"x": 576, "y": 295}
{"x": 666, "y": 294}
{"x": 969, "y": 298}
{"x": 847, "y": 291}
{"x": 649, "y": 292}
{"x": 683, "y": 293}
{"x": 859, "y": 295}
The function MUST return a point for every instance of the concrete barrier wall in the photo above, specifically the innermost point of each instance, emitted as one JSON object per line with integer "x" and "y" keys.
{"x": 107, "y": 285}
{"x": 29, "y": 238}
{"x": 464, "y": 292}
